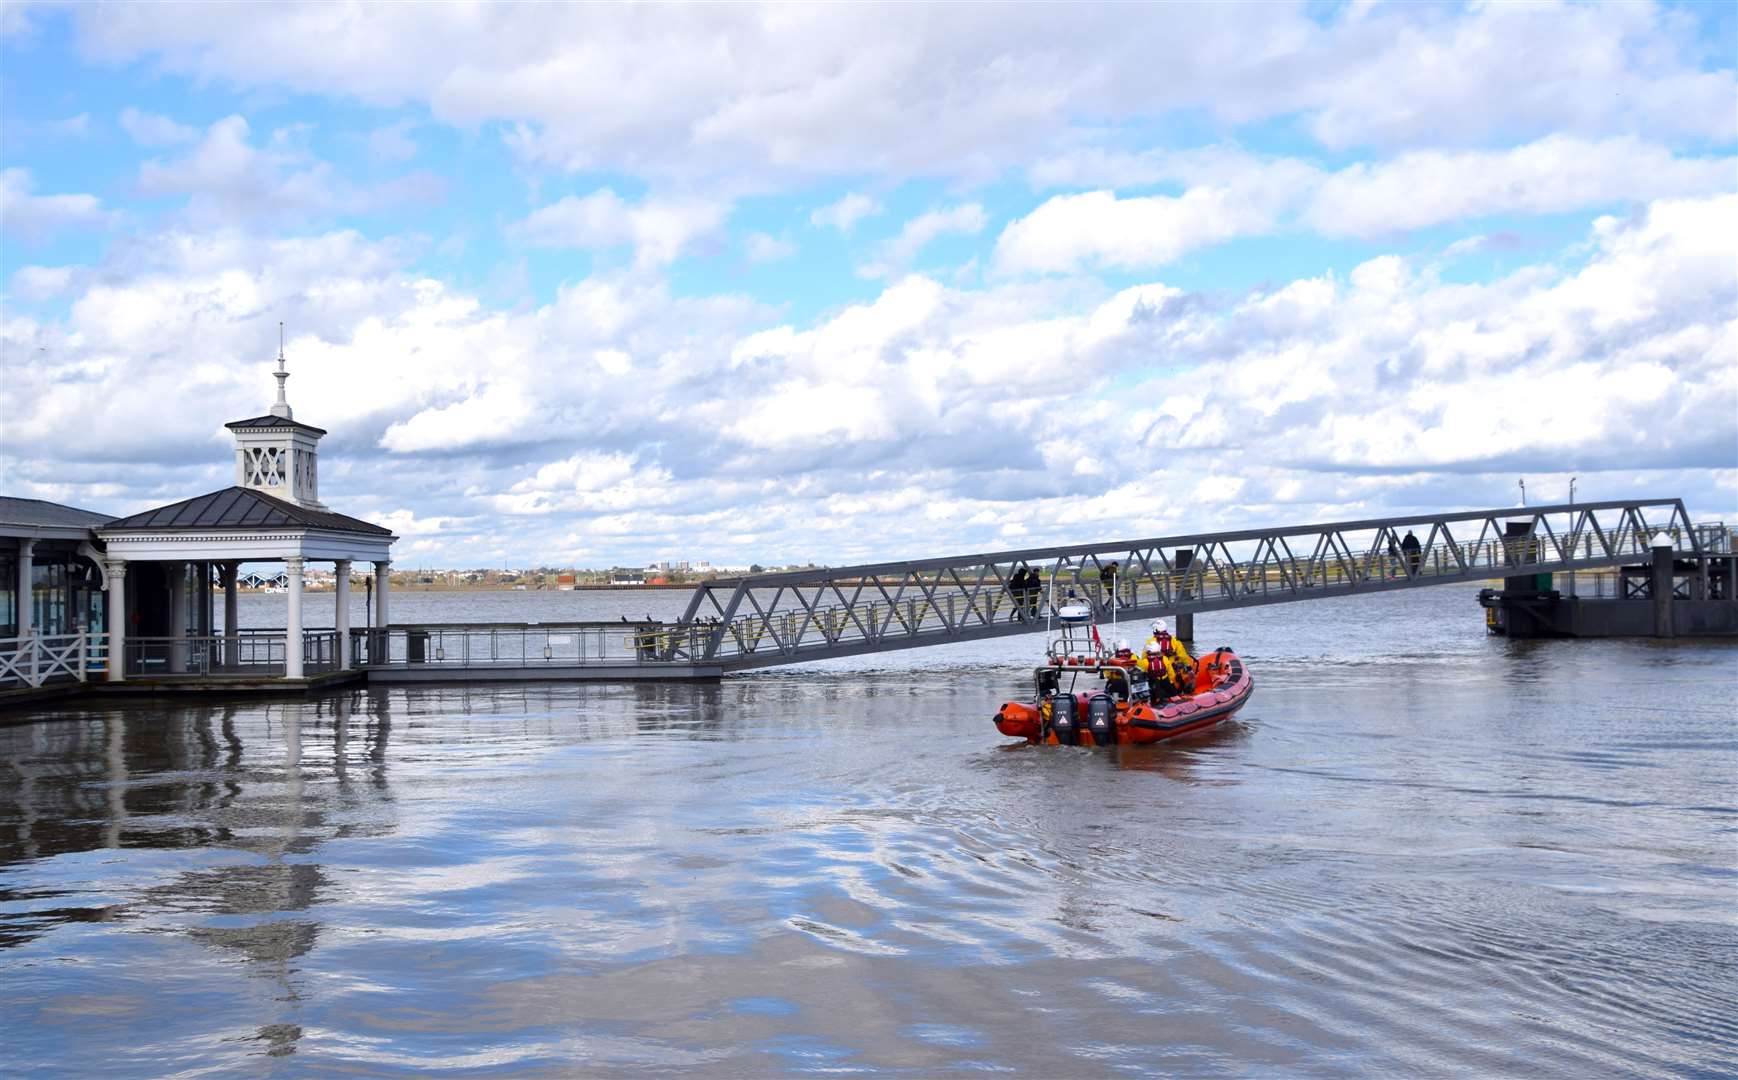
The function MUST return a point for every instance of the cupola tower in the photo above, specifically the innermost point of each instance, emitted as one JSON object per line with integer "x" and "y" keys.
{"x": 276, "y": 455}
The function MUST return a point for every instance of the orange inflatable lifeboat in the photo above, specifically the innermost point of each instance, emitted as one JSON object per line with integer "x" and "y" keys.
{"x": 1105, "y": 703}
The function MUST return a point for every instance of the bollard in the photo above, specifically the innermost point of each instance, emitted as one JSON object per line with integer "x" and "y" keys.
{"x": 1660, "y": 586}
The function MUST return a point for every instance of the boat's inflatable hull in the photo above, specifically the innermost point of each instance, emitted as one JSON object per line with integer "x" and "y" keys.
{"x": 1130, "y": 725}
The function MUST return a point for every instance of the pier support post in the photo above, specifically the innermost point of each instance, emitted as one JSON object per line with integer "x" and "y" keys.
{"x": 341, "y": 611}
{"x": 1660, "y": 585}
{"x": 117, "y": 605}
{"x": 293, "y": 630}
{"x": 1185, "y": 563}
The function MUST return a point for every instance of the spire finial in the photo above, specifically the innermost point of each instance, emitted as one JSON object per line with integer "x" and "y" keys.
{"x": 282, "y": 408}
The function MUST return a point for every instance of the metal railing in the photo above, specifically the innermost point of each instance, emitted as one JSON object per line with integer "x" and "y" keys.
{"x": 508, "y": 644}
{"x": 248, "y": 653}
{"x": 33, "y": 661}
{"x": 798, "y": 615}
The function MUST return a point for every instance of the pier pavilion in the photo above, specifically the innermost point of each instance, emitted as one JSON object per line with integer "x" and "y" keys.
{"x": 133, "y": 598}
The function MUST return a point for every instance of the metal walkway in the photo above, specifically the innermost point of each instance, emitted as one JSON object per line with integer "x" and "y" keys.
{"x": 790, "y": 617}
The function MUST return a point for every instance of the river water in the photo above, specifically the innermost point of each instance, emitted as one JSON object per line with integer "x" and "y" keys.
{"x": 1419, "y": 851}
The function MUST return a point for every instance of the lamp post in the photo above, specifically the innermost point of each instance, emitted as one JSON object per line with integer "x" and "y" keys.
{"x": 1523, "y": 484}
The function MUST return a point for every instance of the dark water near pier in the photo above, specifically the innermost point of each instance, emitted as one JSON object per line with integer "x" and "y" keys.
{"x": 1419, "y": 852}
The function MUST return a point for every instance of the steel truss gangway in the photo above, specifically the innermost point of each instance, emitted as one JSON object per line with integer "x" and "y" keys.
{"x": 794, "y": 616}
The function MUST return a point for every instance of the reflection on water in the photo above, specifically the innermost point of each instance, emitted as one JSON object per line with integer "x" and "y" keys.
{"x": 1479, "y": 858}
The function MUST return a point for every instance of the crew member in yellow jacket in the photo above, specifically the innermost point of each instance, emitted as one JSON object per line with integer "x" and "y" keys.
{"x": 1163, "y": 642}
{"x": 1167, "y": 663}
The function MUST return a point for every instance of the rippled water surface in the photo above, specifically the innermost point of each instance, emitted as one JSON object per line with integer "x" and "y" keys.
{"x": 1419, "y": 851}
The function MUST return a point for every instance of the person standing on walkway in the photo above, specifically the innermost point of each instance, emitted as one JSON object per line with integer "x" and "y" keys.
{"x": 1017, "y": 591}
{"x": 1414, "y": 553}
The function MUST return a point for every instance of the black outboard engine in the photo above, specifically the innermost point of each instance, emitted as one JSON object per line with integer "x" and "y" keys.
{"x": 1101, "y": 719}
{"x": 1064, "y": 720}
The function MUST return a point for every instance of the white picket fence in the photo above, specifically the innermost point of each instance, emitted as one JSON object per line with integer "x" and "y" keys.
{"x": 33, "y": 661}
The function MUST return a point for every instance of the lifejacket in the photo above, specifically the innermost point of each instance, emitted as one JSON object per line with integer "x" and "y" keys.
{"x": 1171, "y": 648}
{"x": 1155, "y": 664}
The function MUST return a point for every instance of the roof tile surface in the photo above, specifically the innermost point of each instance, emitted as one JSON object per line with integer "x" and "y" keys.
{"x": 15, "y": 511}
{"x": 240, "y": 508}
{"x": 273, "y": 421}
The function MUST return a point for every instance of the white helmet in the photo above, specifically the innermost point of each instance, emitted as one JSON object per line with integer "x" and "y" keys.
{"x": 1161, "y": 627}
{"x": 1122, "y": 645}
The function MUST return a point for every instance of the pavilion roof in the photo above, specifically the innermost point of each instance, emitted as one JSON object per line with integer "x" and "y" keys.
{"x": 240, "y": 508}
{"x": 269, "y": 421}
{"x": 36, "y": 512}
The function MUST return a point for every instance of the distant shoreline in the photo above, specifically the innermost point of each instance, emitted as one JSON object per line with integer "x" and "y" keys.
{"x": 397, "y": 587}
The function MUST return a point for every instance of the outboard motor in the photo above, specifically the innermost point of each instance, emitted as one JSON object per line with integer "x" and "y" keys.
{"x": 1101, "y": 720}
{"x": 1065, "y": 722}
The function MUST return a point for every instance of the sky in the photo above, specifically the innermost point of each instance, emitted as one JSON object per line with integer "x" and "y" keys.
{"x": 600, "y": 285}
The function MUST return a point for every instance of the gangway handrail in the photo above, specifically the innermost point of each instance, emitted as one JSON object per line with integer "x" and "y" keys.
{"x": 842, "y": 610}
{"x": 776, "y": 577}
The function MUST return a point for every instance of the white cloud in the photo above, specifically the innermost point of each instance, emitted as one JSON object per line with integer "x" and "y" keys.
{"x": 44, "y": 282}
{"x": 845, "y": 213}
{"x": 154, "y": 130}
{"x": 967, "y": 219}
{"x": 37, "y": 216}
{"x": 929, "y": 418}
{"x": 658, "y": 229}
{"x": 1234, "y": 193}
{"x": 961, "y": 90}
{"x": 1095, "y": 228}
{"x": 1505, "y": 69}
{"x": 765, "y": 248}
{"x": 493, "y": 415}
{"x": 613, "y": 361}
{"x": 1553, "y": 175}
{"x": 228, "y": 179}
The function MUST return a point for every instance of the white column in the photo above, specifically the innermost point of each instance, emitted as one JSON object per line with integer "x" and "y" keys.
{"x": 341, "y": 611}
{"x": 293, "y": 627}
{"x": 117, "y": 619}
{"x": 231, "y": 647}
{"x": 382, "y": 579}
{"x": 26, "y": 571}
